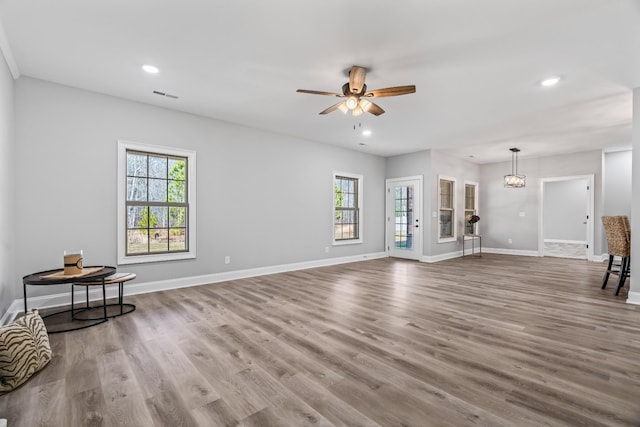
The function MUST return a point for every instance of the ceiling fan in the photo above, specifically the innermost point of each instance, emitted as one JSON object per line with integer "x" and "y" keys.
{"x": 357, "y": 95}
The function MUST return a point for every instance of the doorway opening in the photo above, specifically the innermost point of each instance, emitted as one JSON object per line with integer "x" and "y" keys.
{"x": 566, "y": 217}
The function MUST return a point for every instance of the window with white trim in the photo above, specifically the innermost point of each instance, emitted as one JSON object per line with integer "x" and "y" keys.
{"x": 446, "y": 208}
{"x": 470, "y": 207}
{"x": 156, "y": 203}
{"x": 347, "y": 208}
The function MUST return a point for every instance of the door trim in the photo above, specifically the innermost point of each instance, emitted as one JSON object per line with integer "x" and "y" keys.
{"x": 590, "y": 212}
{"x": 420, "y": 192}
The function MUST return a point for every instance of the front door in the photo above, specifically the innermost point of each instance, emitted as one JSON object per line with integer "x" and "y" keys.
{"x": 404, "y": 220}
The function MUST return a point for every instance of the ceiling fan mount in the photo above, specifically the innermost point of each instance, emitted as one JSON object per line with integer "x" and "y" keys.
{"x": 355, "y": 90}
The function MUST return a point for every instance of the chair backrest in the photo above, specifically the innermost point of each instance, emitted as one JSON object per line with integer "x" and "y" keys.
{"x": 618, "y": 235}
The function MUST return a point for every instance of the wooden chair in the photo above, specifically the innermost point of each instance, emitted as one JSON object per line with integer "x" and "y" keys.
{"x": 619, "y": 242}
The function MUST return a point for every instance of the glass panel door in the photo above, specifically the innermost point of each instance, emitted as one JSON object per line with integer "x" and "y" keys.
{"x": 403, "y": 218}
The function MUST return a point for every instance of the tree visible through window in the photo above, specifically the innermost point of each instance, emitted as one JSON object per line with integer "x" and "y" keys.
{"x": 156, "y": 203}
{"x": 346, "y": 208}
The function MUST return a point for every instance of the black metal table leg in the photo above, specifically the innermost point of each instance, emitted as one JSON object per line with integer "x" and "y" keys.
{"x": 104, "y": 301}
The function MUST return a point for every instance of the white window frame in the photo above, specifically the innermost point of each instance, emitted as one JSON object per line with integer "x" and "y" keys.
{"x": 122, "y": 257}
{"x": 453, "y": 213}
{"x": 360, "y": 208}
{"x": 475, "y": 208}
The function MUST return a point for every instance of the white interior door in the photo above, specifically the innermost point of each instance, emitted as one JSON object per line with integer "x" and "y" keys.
{"x": 404, "y": 217}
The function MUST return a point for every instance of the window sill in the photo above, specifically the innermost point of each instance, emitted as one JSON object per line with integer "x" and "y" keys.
{"x": 346, "y": 242}
{"x": 141, "y": 259}
{"x": 447, "y": 240}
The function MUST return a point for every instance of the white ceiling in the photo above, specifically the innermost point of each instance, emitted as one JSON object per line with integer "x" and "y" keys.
{"x": 476, "y": 64}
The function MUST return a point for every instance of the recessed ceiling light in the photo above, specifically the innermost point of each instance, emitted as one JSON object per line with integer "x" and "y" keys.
{"x": 551, "y": 81}
{"x": 366, "y": 132}
{"x": 150, "y": 69}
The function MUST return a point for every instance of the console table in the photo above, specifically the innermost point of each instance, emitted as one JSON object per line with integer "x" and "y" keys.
{"x": 473, "y": 238}
{"x": 94, "y": 276}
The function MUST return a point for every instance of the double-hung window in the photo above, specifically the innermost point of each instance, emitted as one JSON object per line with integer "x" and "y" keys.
{"x": 156, "y": 203}
{"x": 470, "y": 207}
{"x": 347, "y": 211}
{"x": 446, "y": 207}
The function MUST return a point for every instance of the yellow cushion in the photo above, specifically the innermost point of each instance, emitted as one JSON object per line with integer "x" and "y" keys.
{"x": 24, "y": 350}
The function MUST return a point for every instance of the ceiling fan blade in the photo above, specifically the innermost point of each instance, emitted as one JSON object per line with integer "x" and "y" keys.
{"x": 318, "y": 92}
{"x": 356, "y": 79}
{"x": 390, "y": 91}
{"x": 332, "y": 108}
{"x": 375, "y": 109}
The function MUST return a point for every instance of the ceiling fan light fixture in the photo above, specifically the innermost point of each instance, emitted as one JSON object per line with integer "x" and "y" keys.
{"x": 354, "y": 92}
{"x": 365, "y": 105}
{"x": 352, "y": 102}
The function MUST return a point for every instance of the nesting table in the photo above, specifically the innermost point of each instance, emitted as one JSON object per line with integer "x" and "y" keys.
{"x": 83, "y": 317}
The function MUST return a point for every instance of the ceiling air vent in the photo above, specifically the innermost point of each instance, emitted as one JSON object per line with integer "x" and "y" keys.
{"x": 168, "y": 95}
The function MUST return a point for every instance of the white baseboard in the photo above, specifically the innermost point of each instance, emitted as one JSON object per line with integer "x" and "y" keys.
{"x": 458, "y": 254}
{"x": 519, "y": 252}
{"x": 441, "y": 257}
{"x": 633, "y": 298}
{"x": 571, "y": 242}
{"x": 61, "y": 299}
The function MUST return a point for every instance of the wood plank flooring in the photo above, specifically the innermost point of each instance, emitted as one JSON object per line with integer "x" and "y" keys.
{"x": 492, "y": 341}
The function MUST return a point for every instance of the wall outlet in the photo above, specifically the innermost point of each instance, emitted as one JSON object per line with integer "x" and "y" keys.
{"x": 326, "y": 249}
{"x": 227, "y": 259}
{"x": 510, "y": 241}
{"x": 521, "y": 213}
{"x": 434, "y": 214}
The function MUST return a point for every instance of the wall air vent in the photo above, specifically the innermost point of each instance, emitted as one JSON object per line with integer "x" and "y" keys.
{"x": 168, "y": 95}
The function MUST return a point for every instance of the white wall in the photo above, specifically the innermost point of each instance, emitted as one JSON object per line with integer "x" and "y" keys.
{"x": 502, "y": 206}
{"x": 9, "y": 282}
{"x": 263, "y": 199}
{"x": 565, "y": 210}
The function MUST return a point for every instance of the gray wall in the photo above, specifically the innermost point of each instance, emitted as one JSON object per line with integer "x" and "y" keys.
{"x": 617, "y": 183}
{"x": 9, "y": 283}
{"x": 264, "y": 199}
{"x": 502, "y": 206}
{"x": 565, "y": 210}
{"x": 430, "y": 164}
{"x": 461, "y": 170}
{"x": 415, "y": 164}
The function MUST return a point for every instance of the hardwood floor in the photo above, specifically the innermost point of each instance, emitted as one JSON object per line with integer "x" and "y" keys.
{"x": 496, "y": 341}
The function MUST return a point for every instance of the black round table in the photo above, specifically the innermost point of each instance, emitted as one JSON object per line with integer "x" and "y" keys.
{"x": 55, "y": 277}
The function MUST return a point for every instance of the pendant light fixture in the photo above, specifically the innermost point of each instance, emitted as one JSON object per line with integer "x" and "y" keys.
{"x": 514, "y": 180}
